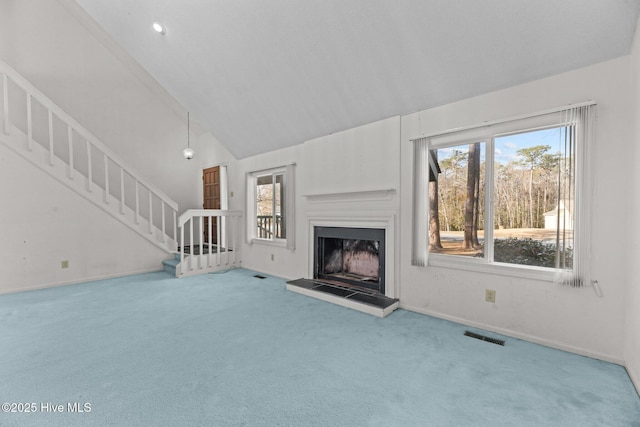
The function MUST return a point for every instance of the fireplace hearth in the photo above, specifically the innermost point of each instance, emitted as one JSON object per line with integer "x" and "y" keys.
{"x": 351, "y": 257}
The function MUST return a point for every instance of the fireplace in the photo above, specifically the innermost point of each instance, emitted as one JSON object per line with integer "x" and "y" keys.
{"x": 350, "y": 256}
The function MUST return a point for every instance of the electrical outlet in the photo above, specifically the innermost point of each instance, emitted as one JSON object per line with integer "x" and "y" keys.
{"x": 490, "y": 295}
{"x": 273, "y": 257}
{"x": 64, "y": 264}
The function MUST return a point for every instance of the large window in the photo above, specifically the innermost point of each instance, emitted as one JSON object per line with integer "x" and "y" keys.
{"x": 270, "y": 215}
{"x": 512, "y": 194}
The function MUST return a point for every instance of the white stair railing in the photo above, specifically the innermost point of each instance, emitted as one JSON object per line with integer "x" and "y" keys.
{"x": 209, "y": 241}
{"x": 41, "y": 132}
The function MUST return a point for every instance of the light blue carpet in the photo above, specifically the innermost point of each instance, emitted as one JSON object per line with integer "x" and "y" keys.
{"x": 232, "y": 350}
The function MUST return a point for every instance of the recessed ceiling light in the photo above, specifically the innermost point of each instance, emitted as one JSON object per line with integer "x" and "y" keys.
{"x": 158, "y": 27}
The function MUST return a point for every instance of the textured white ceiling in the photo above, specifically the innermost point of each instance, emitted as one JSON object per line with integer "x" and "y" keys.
{"x": 267, "y": 74}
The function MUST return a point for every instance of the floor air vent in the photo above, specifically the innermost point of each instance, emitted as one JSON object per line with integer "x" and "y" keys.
{"x": 483, "y": 338}
{"x": 259, "y": 276}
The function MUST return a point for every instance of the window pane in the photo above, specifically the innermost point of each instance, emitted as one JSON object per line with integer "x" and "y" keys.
{"x": 456, "y": 200}
{"x": 534, "y": 198}
{"x": 264, "y": 207}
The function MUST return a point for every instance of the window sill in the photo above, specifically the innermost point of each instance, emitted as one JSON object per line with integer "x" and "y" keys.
{"x": 281, "y": 243}
{"x": 478, "y": 265}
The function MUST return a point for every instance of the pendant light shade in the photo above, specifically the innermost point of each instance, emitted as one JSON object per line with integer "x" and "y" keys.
{"x": 188, "y": 152}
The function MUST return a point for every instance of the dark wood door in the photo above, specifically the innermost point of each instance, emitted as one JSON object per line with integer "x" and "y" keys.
{"x": 211, "y": 198}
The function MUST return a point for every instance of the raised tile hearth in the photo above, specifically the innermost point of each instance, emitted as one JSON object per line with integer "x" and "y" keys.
{"x": 346, "y": 296}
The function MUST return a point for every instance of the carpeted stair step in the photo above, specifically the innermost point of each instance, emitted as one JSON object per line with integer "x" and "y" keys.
{"x": 169, "y": 265}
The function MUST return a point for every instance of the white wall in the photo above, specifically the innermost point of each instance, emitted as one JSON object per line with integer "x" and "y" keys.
{"x": 44, "y": 223}
{"x": 573, "y": 319}
{"x": 374, "y": 157}
{"x": 211, "y": 153}
{"x": 61, "y": 51}
{"x": 632, "y": 353}
{"x": 55, "y": 46}
{"x": 358, "y": 160}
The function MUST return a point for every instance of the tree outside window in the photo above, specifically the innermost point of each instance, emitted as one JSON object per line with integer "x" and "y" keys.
{"x": 521, "y": 185}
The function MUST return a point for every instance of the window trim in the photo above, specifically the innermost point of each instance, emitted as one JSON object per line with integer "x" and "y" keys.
{"x": 287, "y": 173}
{"x": 487, "y": 132}
{"x": 498, "y": 268}
{"x": 272, "y": 174}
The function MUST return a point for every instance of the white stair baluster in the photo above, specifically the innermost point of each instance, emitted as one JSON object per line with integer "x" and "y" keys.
{"x": 89, "y": 169}
{"x": 200, "y": 239}
{"x": 106, "y": 178}
{"x": 5, "y": 103}
{"x": 163, "y": 222}
{"x": 29, "y": 124}
{"x": 51, "y": 152}
{"x": 70, "y": 142}
{"x": 191, "y": 244}
{"x": 218, "y": 254}
{"x": 181, "y": 250}
{"x": 209, "y": 239}
{"x": 150, "y": 212}
{"x": 136, "y": 219}
{"x": 121, "y": 190}
{"x": 175, "y": 224}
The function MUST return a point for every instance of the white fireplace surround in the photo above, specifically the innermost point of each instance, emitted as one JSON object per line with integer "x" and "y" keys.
{"x": 359, "y": 219}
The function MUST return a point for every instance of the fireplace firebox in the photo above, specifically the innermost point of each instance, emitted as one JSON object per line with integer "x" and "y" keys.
{"x": 350, "y": 256}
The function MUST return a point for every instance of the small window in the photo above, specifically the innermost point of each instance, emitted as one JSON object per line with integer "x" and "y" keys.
{"x": 270, "y": 206}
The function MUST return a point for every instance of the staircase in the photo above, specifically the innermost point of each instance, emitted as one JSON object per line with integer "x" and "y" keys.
{"x": 38, "y": 130}
{"x": 214, "y": 242}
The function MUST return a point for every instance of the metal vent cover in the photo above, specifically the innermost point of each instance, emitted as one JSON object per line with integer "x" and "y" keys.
{"x": 483, "y": 338}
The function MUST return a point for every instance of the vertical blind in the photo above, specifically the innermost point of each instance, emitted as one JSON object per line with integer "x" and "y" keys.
{"x": 576, "y": 193}
{"x": 420, "y": 239}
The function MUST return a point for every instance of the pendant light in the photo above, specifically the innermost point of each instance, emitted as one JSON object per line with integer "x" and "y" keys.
{"x": 188, "y": 152}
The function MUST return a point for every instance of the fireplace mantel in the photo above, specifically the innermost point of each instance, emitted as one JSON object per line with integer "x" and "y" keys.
{"x": 350, "y": 196}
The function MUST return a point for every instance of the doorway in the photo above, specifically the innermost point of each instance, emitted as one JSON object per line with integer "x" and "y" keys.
{"x": 211, "y": 199}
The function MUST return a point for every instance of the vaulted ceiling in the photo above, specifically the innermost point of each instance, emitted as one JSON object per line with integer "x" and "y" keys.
{"x": 267, "y": 74}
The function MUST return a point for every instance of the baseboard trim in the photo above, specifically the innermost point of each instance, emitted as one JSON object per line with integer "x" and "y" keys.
{"x": 518, "y": 335}
{"x": 635, "y": 379}
{"x": 75, "y": 282}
